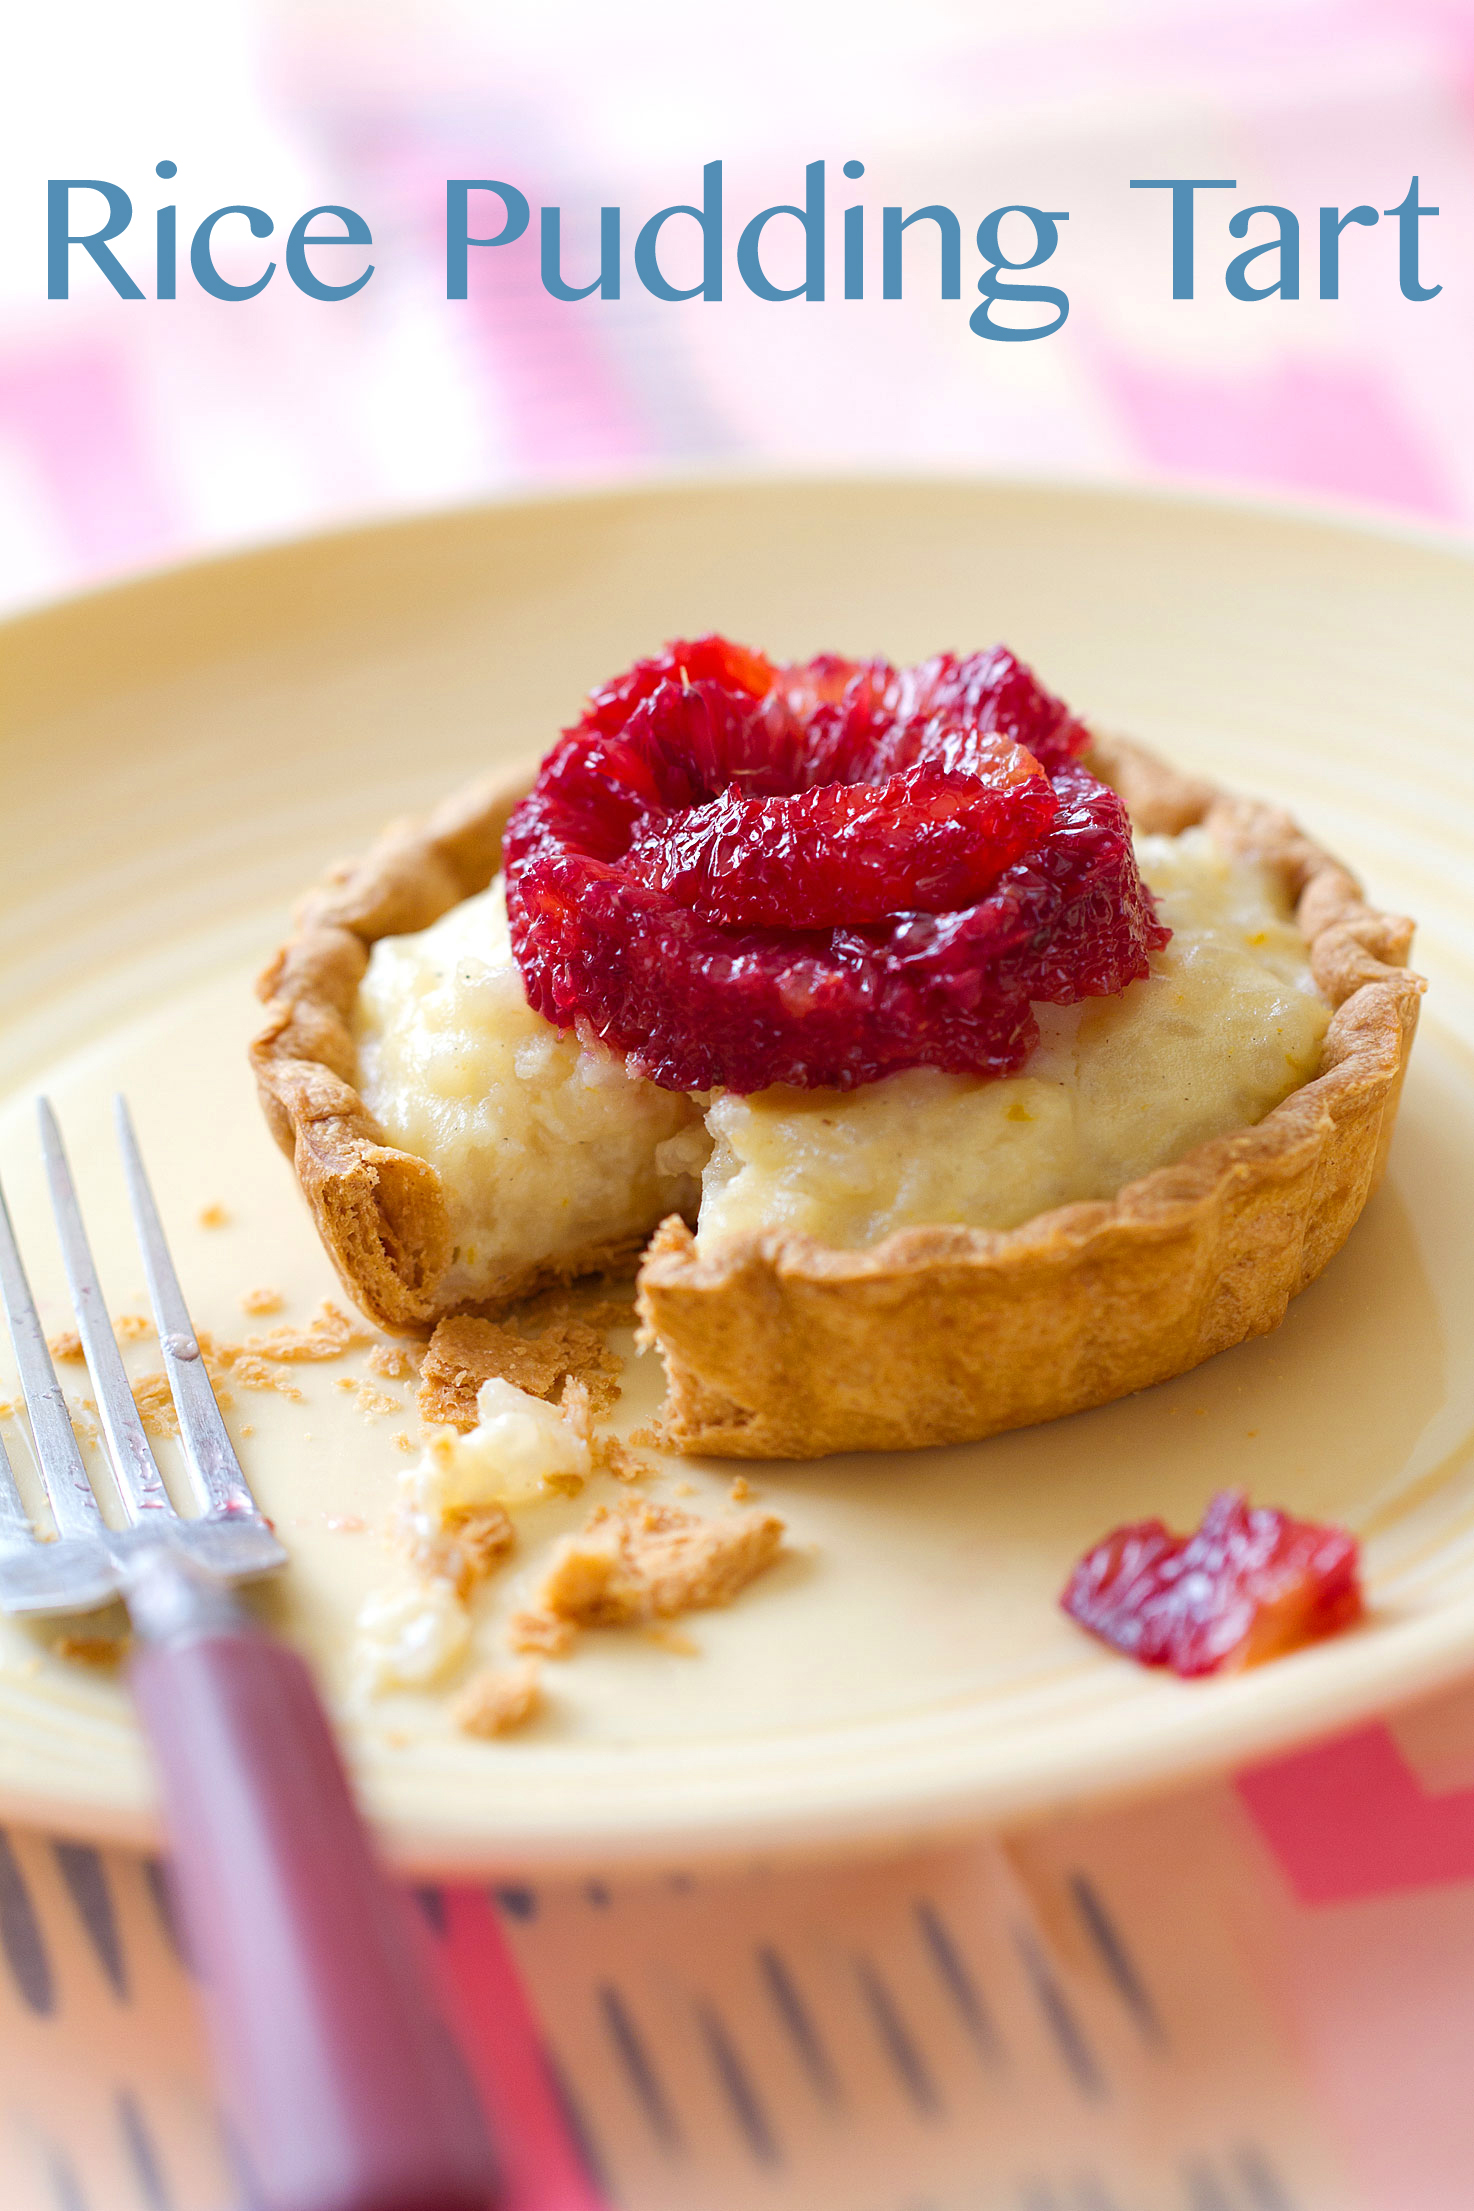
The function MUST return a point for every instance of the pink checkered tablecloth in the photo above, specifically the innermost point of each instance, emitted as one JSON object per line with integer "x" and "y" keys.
{"x": 1251, "y": 1996}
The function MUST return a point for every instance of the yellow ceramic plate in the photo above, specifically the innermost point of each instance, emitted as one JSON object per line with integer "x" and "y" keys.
{"x": 186, "y": 753}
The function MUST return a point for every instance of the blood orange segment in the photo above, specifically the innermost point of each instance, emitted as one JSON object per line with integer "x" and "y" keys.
{"x": 1249, "y": 1584}
{"x": 738, "y": 874}
{"x": 926, "y": 841}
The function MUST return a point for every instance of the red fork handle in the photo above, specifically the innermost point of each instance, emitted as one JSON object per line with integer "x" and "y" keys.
{"x": 339, "y": 2076}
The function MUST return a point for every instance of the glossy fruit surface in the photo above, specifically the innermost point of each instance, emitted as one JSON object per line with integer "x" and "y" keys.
{"x": 1249, "y": 1584}
{"x": 739, "y": 874}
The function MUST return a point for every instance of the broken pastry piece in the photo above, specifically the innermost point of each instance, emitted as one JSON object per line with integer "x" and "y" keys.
{"x": 639, "y": 1561}
{"x": 455, "y": 1528}
{"x": 570, "y": 1347}
{"x": 498, "y": 1699}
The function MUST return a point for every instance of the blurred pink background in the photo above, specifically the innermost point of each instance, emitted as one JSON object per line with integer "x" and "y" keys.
{"x": 139, "y": 432}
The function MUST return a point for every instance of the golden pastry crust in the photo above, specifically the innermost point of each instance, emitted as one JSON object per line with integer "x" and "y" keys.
{"x": 380, "y": 1211}
{"x": 777, "y": 1346}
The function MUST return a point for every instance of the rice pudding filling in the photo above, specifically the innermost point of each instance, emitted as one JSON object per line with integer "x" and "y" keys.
{"x": 547, "y": 1143}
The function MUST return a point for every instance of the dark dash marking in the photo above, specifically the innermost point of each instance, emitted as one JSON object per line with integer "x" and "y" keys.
{"x": 432, "y": 1904}
{"x": 897, "y": 2040}
{"x": 1117, "y": 1960}
{"x": 1069, "y": 2037}
{"x": 736, "y": 2082}
{"x": 1261, "y": 2182}
{"x": 158, "y": 1880}
{"x": 952, "y": 1971}
{"x": 1037, "y": 2195}
{"x": 1204, "y": 2191}
{"x": 682, "y": 1883}
{"x": 639, "y": 2071}
{"x": 576, "y": 2121}
{"x": 1092, "y": 2194}
{"x": 597, "y": 1895}
{"x": 65, "y": 2185}
{"x": 86, "y": 1878}
{"x": 142, "y": 2153}
{"x": 21, "y": 1937}
{"x": 237, "y": 2162}
{"x": 799, "y": 2025}
{"x": 517, "y": 1903}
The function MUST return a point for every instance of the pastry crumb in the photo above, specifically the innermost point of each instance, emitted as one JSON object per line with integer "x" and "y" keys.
{"x": 83, "y": 1416}
{"x": 66, "y": 1348}
{"x": 328, "y": 1334}
{"x": 249, "y": 1429}
{"x": 639, "y": 1561}
{"x": 672, "y": 1639}
{"x": 254, "y": 1373}
{"x": 132, "y": 1327}
{"x": 576, "y": 1406}
{"x": 155, "y": 1402}
{"x": 496, "y": 1701}
{"x": 741, "y": 1491}
{"x": 402, "y": 1440}
{"x": 464, "y": 1353}
{"x": 260, "y": 1303}
{"x": 374, "y": 1402}
{"x": 213, "y": 1216}
{"x": 393, "y": 1362}
{"x": 539, "y": 1632}
{"x": 92, "y": 1650}
{"x": 465, "y": 1548}
{"x": 684, "y": 1489}
{"x": 613, "y": 1457}
{"x": 647, "y": 1437}
{"x": 345, "y": 1523}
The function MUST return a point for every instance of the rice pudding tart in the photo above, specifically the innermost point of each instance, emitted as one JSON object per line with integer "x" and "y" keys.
{"x": 928, "y": 1256}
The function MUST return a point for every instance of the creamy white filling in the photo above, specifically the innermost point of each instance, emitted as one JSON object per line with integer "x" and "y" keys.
{"x": 1226, "y": 1025}
{"x": 547, "y": 1146}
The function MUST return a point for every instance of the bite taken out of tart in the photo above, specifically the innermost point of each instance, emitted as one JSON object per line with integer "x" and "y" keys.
{"x": 944, "y": 1066}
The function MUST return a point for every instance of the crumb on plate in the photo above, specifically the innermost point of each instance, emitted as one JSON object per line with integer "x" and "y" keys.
{"x": 463, "y": 1550}
{"x": 328, "y": 1334}
{"x": 539, "y": 1632}
{"x": 497, "y": 1700}
{"x": 393, "y": 1362}
{"x": 464, "y": 1353}
{"x": 640, "y": 1561}
{"x": 92, "y": 1650}
{"x": 611, "y": 1456}
{"x": 152, "y": 1396}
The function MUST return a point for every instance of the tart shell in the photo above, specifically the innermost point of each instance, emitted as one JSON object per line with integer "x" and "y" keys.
{"x": 778, "y": 1346}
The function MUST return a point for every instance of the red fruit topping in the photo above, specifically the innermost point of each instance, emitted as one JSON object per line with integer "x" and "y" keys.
{"x": 1249, "y": 1584}
{"x": 928, "y": 840}
{"x": 738, "y": 875}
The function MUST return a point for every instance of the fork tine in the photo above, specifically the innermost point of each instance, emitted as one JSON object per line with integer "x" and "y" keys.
{"x": 140, "y": 1484}
{"x": 67, "y": 1488}
{"x": 206, "y": 1442}
{"x": 15, "y": 1521}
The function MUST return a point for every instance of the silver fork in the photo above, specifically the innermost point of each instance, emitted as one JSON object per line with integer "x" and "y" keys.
{"x": 343, "y": 2084}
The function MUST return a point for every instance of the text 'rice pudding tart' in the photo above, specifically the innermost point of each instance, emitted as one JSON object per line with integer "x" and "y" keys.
{"x": 1152, "y": 1122}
